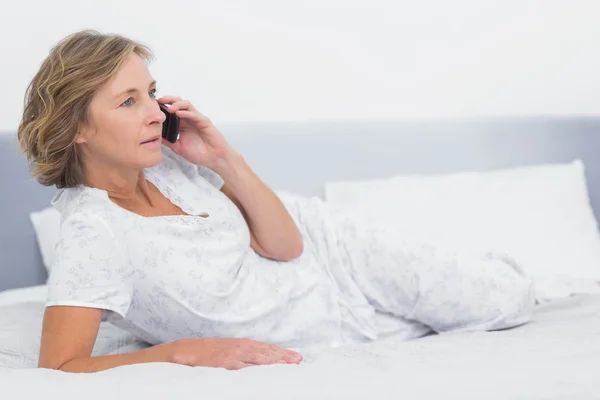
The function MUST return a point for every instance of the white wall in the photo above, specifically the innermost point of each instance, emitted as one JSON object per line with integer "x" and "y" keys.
{"x": 315, "y": 59}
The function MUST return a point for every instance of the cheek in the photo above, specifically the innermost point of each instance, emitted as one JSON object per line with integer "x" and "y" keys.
{"x": 117, "y": 136}
{"x": 121, "y": 133}
{"x": 110, "y": 144}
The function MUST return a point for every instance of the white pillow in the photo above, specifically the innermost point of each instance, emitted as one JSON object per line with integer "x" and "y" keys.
{"x": 36, "y": 293}
{"x": 46, "y": 225}
{"x": 541, "y": 215}
{"x": 21, "y": 331}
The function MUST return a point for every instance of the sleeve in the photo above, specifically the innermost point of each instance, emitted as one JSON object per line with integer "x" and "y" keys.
{"x": 211, "y": 176}
{"x": 193, "y": 171}
{"x": 90, "y": 268}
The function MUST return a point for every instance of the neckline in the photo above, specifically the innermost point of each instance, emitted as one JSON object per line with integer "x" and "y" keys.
{"x": 148, "y": 174}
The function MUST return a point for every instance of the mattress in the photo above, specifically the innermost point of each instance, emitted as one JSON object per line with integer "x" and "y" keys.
{"x": 556, "y": 356}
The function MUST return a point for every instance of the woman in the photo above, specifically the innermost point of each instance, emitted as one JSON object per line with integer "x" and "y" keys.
{"x": 184, "y": 246}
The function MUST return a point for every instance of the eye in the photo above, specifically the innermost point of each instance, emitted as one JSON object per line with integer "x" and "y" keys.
{"x": 128, "y": 102}
{"x": 153, "y": 93}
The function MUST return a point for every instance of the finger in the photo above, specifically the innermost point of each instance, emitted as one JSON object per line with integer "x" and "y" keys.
{"x": 257, "y": 358}
{"x": 264, "y": 356}
{"x": 291, "y": 357}
{"x": 288, "y": 355}
{"x": 239, "y": 365}
{"x": 190, "y": 115}
{"x": 295, "y": 358}
{"x": 281, "y": 356}
{"x": 169, "y": 99}
{"x": 280, "y": 351}
{"x": 181, "y": 105}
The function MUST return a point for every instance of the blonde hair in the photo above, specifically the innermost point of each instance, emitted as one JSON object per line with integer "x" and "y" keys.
{"x": 57, "y": 101}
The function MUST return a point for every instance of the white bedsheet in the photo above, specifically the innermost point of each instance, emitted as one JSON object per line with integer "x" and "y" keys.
{"x": 557, "y": 356}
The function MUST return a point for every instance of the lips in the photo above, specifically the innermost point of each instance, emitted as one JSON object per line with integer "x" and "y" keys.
{"x": 152, "y": 139}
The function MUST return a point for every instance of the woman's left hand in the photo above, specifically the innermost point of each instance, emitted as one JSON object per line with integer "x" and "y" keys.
{"x": 200, "y": 142}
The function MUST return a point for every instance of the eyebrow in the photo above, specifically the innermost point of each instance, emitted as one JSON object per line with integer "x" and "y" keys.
{"x": 133, "y": 90}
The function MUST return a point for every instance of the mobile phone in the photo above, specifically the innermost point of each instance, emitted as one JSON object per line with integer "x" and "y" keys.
{"x": 170, "y": 129}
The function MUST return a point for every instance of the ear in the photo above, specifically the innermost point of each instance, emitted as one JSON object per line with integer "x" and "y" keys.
{"x": 79, "y": 139}
{"x": 82, "y": 133}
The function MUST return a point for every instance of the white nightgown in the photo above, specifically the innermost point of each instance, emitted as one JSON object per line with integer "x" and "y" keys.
{"x": 172, "y": 277}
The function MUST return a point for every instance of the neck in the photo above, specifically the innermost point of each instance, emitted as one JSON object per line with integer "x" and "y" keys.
{"x": 123, "y": 185}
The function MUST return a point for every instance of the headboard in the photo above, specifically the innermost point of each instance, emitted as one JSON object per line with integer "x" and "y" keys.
{"x": 302, "y": 156}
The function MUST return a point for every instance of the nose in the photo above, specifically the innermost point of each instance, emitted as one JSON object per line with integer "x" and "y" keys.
{"x": 155, "y": 114}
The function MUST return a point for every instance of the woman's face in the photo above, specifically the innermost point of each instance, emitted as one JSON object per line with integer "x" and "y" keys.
{"x": 124, "y": 121}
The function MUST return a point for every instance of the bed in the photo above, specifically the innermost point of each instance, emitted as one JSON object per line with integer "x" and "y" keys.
{"x": 555, "y": 356}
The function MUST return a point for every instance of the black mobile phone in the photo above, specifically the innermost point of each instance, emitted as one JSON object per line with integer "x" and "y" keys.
{"x": 170, "y": 129}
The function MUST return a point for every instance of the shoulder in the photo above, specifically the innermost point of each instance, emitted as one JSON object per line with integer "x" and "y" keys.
{"x": 87, "y": 220}
{"x": 85, "y": 211}
{"x": 80, "y": 199}
{"x": 90, "y": 268}
{"x": 90, "y": 233}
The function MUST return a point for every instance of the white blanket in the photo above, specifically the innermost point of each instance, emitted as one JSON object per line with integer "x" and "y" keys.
{"x": 556, "y": 356}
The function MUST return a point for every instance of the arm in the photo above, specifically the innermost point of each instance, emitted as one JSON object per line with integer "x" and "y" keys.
{"x": 86, "y": 271}
{"x": 69, "y": 331}
{"x": 69, "y": 334}
{"x": 68, "y": 337}
{"x": 273, "y": 232}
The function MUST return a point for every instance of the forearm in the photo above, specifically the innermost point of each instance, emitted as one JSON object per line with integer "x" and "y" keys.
{"x": 159, "y": 353}
{"x": 271, "y": 225}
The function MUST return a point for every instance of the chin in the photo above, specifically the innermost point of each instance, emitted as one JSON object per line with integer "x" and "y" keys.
{"x": 152, "y": 159}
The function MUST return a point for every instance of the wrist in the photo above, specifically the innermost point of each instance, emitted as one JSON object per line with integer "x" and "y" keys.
{"x": 175, "y": 352}
{"x": 231, "y": 167}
